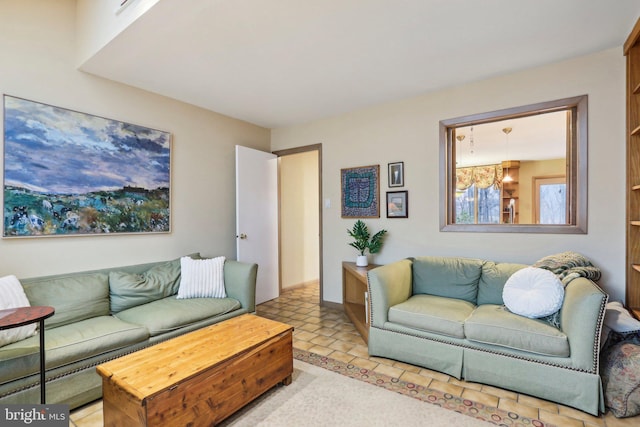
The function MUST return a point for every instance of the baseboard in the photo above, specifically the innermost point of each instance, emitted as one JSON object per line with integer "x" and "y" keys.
{"x": 331, "y": 304}
{"x": 301, "y": 285}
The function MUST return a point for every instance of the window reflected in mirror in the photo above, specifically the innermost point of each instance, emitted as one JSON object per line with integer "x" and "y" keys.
{"x": 550, "y": 200}
{"x": 521, "y": 169}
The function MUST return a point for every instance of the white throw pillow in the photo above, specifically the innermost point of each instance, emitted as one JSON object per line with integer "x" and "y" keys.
{"x": 201, "y": 278}
{"x": 11, "y": 296}
{"x": 533, "y": 292}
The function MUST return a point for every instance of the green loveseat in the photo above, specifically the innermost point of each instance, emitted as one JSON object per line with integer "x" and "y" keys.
{"x": 104, "y": 314}
{"x": 447, "y": 314}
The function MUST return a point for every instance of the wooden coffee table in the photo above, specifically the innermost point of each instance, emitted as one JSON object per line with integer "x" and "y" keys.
{"x": 199, "y": 378}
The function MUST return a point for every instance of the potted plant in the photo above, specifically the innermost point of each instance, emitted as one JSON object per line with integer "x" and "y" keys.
{"x": 360, "y": 233}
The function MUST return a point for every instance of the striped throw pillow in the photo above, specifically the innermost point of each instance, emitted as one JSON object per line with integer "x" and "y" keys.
{"x": 202, "y": 278}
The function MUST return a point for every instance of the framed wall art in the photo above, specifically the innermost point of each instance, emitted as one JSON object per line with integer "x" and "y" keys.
{"x": 70, "y": 173}
{"x": 396, "y": 174}
{"x": 361, "y": 192}
{"x": 397, "y": 204}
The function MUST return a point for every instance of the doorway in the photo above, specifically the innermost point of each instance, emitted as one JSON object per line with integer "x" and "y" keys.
{"x": 300, "y": 217}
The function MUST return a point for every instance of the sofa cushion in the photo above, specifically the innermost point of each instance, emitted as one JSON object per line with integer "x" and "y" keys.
{"x": 12, "y": 296}
{"x": 450, "y": 277}
{"x": 128, "y": 290}
{"x": 69, "y": 343}
{"x": 494, "y": 276}
{"x": 75, "y": 297}
{"x": 170, "y": 313}
{"x": 494, "y": 324}
{"x": 430, "y": 313}
{"x": 533, "y": 292}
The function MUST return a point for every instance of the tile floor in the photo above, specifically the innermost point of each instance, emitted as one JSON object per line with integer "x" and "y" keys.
{"x": 329, "y": 332}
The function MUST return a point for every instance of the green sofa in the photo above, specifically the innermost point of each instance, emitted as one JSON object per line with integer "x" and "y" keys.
{"x": 104, "y": 314}
{"x": 447, "y": 314}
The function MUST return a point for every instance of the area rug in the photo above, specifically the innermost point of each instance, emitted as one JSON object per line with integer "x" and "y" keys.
{"x": 328, "y": 392}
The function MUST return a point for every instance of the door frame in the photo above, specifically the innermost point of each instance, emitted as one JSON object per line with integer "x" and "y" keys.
{"x": 288, "y": 152}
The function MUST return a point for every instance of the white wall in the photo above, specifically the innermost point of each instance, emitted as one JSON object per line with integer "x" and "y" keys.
{"x": 38, "y": 62}
{"x": 407, "y": 131}
{"x": 299, "y": 219}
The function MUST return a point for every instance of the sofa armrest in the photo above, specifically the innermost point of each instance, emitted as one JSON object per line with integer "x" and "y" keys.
{"x": 388, "y": 285}
{"x": 581, "y": 318}
{"x": 240, "y": 282}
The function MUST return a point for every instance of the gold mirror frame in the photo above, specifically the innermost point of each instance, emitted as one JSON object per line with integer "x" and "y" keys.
{"x": 576, "y": 171}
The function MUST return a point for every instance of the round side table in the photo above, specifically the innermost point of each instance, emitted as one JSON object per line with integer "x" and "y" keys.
{"x": 20, "y": 316}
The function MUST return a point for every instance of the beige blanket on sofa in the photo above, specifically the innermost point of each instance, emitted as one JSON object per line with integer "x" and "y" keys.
{"x": 569, "y": 265}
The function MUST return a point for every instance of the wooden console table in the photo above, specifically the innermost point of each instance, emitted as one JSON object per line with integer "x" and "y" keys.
{"x": 354, "y": 296}
{"x": 20, "y": 316}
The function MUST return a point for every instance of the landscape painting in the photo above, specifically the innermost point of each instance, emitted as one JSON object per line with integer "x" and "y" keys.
{"x": 70, "y": 173}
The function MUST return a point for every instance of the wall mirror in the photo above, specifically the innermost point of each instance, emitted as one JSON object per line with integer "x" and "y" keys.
{"x": 521, "y": 169}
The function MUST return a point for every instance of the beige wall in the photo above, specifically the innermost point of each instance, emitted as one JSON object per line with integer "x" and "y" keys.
{"x": 407, "y": 130}
{"x": 98, "y": 23}
{"x": 299, "y": 218}
{"x": 38, "y": 62}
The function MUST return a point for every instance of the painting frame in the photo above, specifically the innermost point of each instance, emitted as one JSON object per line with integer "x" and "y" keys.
{"x": 360, "y": 192}
{"x": 398, "y": 204}
{"x": 69, "y": 173}
{"x": 395, "y": 173}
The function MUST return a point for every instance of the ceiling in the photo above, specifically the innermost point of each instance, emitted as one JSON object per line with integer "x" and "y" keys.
{"x": 278, "y": 63}
{"x": 534, "y": 137}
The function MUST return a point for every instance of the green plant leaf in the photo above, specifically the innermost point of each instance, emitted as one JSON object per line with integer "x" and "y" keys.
{"x": 360, "y": 233}
{"x": 376, "y": 241}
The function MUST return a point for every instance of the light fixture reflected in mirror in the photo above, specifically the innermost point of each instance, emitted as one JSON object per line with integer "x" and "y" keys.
{"x": 507, "y": 177}
{"x": 460, "y": 138}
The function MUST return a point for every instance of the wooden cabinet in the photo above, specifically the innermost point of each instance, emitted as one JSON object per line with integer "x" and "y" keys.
{"x": 632, "y": 52}
{"x": 510, "y": 192}
{"x": 354, "y": 296}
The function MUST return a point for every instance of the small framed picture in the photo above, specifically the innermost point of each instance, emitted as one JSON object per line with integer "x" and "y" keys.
{"x": 396, "y": 174}
{"x": 397, "y": 204}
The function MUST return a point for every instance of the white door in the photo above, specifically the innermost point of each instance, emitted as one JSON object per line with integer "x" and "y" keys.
{"x": 257, "y": 217}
